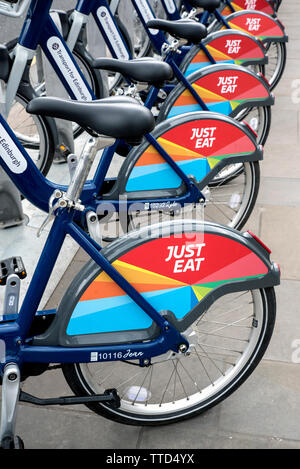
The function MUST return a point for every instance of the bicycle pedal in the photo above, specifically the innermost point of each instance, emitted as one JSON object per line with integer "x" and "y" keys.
{"x": 13, "y": 265}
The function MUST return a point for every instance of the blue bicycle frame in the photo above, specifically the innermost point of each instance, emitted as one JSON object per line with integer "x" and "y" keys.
{"x": 24, "y": 174}
{"x": 39, "y": 29}
{"x": 100, "y": 9}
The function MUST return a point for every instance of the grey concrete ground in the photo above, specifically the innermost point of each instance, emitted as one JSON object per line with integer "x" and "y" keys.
{"x": 265, "y": 411}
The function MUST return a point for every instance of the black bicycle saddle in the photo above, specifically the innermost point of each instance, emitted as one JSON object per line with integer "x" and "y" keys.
{"x": 209, "y": 5}
{"x": 181, "y": 29}
{"x": 143, "y": 70}
{"x": 117, "y": 117}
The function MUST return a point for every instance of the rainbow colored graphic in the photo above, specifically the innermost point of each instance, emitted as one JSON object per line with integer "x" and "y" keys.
{"x": 229, "y": 49}
{"x": 222, "y": 91}
{"x": 222, "y": 139}
{"x": 175, "y": 283}
{"x": 259, "y": 25}
{"x": 239, "y": 5}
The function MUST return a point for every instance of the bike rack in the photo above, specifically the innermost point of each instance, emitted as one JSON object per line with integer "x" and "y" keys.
{"x": 13, "y": 8}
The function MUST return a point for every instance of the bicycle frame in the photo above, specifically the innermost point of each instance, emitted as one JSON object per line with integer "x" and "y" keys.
{"x": 25, "y": 175}
{"x": 14, "y": 331}
{"x": 40, "y": 30}
{"x": 104, "y": 19}
{"x": 44, "y": 188}
{"x": 107, "y": 26}
{"x": 158, "y": 39}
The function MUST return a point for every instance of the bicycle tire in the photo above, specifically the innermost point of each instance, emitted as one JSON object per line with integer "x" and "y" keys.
{"x": 216, "y": 208}
{"x": 79, "y": 379}
{"x": 171, "y": 99}
{"x": 196, "y": 49}
{"x": 281, "y": 62}
{"x": 84, "y": 59}
{"x": 275, "y": 78}
{"x": 46, "y": 128}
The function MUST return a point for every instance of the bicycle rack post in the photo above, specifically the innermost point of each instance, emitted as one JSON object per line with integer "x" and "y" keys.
{"x": 125, "y": 13}
{"x": 53, "y": 87}
{"x": 97, "y": 49}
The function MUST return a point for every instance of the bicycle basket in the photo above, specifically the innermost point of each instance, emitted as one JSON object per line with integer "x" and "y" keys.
{"x": 14, "y": 8}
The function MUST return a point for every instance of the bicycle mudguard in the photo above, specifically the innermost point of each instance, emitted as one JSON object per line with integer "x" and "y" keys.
{"x": 200, "y": 143}
{"x": 180, "y": 268}
{"x": 227, "y": 47}
{"x": 258, "y": 5}
{"x": 258, "y": 24}
{"x": 223, "y": 88}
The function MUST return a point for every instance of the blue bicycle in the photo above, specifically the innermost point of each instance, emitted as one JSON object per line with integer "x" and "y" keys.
{"x": 158, "y": 327}
{"x": 166, "y": 180}
{"x": 257, "y": 114}
{"x": 268, "y": 29}
{"x": 21, "y": 57}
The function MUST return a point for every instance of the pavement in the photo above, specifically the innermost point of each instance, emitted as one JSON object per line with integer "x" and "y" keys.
{"x": 264, "y": 412}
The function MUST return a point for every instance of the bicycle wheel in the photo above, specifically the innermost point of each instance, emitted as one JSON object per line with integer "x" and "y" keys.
{"x": 141, "y": 41}
{"x": 276, "y": 51}
{"x": 230, "y": 199}
{"x": 258, "y": 118}
{"x": 37, "y": 134}
{"x": 144, "y": 175}
{"x": 228, "y": 343}
{"x": 84, "y": 61}
{"x": 232, "y": 195}
{"x": 187, "y": 66}
{"x": 277, "y": 55}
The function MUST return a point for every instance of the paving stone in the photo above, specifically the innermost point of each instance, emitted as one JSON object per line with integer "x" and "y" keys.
{"x": 62, "y": 429}
{"x": 280, "y": 231}
{"x": 285, "y": 342}
{"x": 267, "y": 404}
{"x": 56, "y": 297}
{"x": 281, "y": 192}
{"x": 281, "y": 161}
{"x": 285, "y": 130}
{"x": 187, "y": 434}
{"x": 219, "y": 440}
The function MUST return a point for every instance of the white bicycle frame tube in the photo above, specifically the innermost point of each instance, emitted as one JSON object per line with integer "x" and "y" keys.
{"x": 114, "y": 5}
{"x": 22, "y": 56}
{"x": 78, "y": 20}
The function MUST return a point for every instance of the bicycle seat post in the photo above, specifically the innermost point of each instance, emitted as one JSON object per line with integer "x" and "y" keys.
{"x": 84, "y": 165}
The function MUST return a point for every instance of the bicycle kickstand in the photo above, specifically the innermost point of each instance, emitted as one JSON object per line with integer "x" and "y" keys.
{"x": 10, "y": 398}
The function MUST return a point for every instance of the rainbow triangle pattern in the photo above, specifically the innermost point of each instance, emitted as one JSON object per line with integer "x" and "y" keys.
{"x": 214, "y": 102}
{"x": 106, "y": 308}
{"x": 152, "y": 172}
